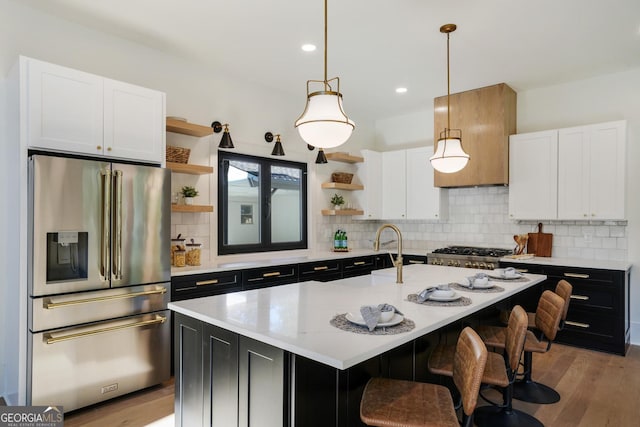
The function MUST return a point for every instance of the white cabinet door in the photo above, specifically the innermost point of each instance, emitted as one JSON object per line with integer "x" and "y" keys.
{"x": 573, "y": 173}
{"x": 592, "y": 172}
{"x": 64, "y": 108}
{"x": 394, "y": 185}
{"x": 424, "y": 201}
{"x": 608, "y": 170}
{"x": 533, "y": 175}
{"x": 133, "y": 122}
{"x": 370, "y": 174}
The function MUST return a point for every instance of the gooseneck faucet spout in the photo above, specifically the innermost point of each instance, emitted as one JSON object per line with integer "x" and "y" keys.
{"x": 398, "y": 261}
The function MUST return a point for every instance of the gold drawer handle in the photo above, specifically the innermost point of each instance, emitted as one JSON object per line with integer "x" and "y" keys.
{"x": 580, "y": 297}
{"x": 324, "y": 267}
{"x": 48, "y": 304}
{"x": 522, "y": 270}
{"x": 359, "y": 263}
{"x": 577, "y": 275}
{"x": 577, "y": 324}
{"x": 413, "y": 261}
{"x": 275, "y": 273}
{"x": 53, "y": 340}
{"x": 207, "y": 282}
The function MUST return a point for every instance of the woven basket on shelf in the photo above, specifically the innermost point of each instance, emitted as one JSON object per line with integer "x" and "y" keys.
{"x": 342, "y": 177}
{"x": 178, "y": 154}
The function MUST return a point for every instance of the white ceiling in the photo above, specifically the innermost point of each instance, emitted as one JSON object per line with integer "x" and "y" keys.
{"x": 377, "y": 45}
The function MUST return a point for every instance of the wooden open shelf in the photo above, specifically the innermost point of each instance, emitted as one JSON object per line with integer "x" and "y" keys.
{"x": 191, "y": 208}
{"x": 189, "y": 169}
{"x": 344, "y": 157}
{"x": 186, "y": 128}
{"x": 332, "y": 212}
{"x": 341, "y": 186}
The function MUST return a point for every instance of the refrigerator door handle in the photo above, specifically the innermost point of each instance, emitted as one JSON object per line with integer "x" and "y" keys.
{"x": 117, "y": 225}
{"x": 105, "y": 226}
{"x": 49, "y": 304}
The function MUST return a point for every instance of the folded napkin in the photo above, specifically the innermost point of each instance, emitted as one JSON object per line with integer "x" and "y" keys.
{"x": 472, "y": 279}
{"x": 509, "y": 271}
{"x": 424, "y": 295}
{"x": 371, "y": 313}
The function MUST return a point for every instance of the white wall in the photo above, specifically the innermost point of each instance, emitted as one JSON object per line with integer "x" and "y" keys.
{"x": 193, "y": 91}
{"x": 605, "y": 98}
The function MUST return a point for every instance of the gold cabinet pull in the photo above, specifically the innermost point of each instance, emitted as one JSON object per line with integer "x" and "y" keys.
{"x": 48, "y": 304}
{"x": 522, "y": 270}
{"x": 577, "y": 324}
{"x": 207, "y": 282}
{"x": 359, "y": 263}
{"x": 577, "y": 275}
{"x": 324, "y": 267}
{"x": 275, "y": 273}
{"x": 413, "y": 261}
{"x": 53, "y": 340}
{"x": 580, "y": 297}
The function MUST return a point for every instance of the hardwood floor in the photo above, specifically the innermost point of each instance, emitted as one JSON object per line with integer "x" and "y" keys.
{"x": 597, "y": 390}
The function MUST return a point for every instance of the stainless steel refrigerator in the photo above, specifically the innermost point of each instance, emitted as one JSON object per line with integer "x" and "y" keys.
{"x": 99, "y": 280}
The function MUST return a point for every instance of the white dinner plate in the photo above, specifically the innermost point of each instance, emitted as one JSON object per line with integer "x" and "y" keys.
{"x": 358, "y": 320}
{"x": 465, "y": 284}
{"x": 455, "y": 297}
{"x": 498, "y": 273}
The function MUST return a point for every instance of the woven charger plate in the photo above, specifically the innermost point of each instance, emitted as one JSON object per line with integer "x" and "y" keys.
{"x": 491, "y": 290}
{"x": 340, "y": 321}
{"x": 463, "y": 301}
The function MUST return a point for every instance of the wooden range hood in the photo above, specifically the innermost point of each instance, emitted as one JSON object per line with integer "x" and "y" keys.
{"x": 486, "y": 116}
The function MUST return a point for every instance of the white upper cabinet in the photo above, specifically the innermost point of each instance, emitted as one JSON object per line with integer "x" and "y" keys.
{"x": 424, "y": 201}
{"x": 394, "y": 185}
{"x": 133, "y": 121}
{"x": 64, "y": 108}
{"x": 370, "y": 174}
{"x": 569, "y": 174}
{"x": 399, "y": 185}
{"x": 533, "y": 175}
{"x": 76, "y": 112}
{"x": 591, "y": 172}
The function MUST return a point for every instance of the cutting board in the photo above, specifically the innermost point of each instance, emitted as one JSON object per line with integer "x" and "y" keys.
{"x": 540, "y": 243}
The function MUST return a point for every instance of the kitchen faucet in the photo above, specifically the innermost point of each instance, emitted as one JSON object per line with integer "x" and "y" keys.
{"x": 398, "y": 261}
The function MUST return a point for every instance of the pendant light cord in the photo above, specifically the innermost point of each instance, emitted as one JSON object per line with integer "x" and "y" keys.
{"x": 446, "y": 134}
{"x": 325, "y": 46}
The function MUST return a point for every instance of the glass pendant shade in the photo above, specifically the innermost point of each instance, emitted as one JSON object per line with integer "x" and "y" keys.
{"x": 323, "y": 123}
{"x": 449, "y": 156}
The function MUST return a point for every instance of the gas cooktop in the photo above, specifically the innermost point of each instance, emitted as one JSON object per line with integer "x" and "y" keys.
{"x": 473, "y": 251}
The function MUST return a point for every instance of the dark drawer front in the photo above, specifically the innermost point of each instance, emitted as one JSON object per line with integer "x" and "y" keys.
{"x": 358, "y": 266}
{"x": 200, "y": 285}
{"x": 269, "y": 276}
{"x": 322, "y": 271}
{"x": 587, "y": 329}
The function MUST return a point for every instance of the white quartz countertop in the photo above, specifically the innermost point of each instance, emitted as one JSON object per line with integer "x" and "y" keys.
{"x": 296, "y": 317}
{"x": 278, "y": 259}
{"x": 573, "y": 262}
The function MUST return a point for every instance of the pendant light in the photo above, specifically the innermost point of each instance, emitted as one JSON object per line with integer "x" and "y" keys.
{"x": 323, "y": 122}
{"x": 449, "y": 157}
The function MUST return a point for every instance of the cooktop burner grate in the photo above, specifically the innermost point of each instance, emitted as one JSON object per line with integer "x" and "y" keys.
{"x": 473, "y": 251}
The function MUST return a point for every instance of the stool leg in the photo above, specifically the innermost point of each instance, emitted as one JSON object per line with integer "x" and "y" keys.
{"x": 530, "y": 391}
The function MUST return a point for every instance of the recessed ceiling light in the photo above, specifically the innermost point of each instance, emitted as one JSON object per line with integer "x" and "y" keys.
{"x": 308, "y": 47}
{"x": 401, "y": 90}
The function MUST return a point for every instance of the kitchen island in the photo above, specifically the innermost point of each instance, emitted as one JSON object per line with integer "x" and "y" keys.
{"x": 270, "y": 357}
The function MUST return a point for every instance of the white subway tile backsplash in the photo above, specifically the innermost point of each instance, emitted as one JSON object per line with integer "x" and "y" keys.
{"x": 479, "y": 216}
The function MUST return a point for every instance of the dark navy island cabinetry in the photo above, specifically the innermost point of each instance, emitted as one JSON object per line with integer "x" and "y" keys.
{"x": 598, "y": 316}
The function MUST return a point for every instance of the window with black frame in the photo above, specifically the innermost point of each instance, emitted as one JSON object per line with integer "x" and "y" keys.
{"x": 262, "y": 204}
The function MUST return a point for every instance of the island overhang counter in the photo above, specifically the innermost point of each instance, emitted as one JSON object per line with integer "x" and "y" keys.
{"x": 277, "y": 351}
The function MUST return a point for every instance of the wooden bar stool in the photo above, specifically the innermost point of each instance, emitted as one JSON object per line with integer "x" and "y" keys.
{"x": 397, "y": 403}
{"x": 547, "y": 320}
{"x": 500, "y": 371}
